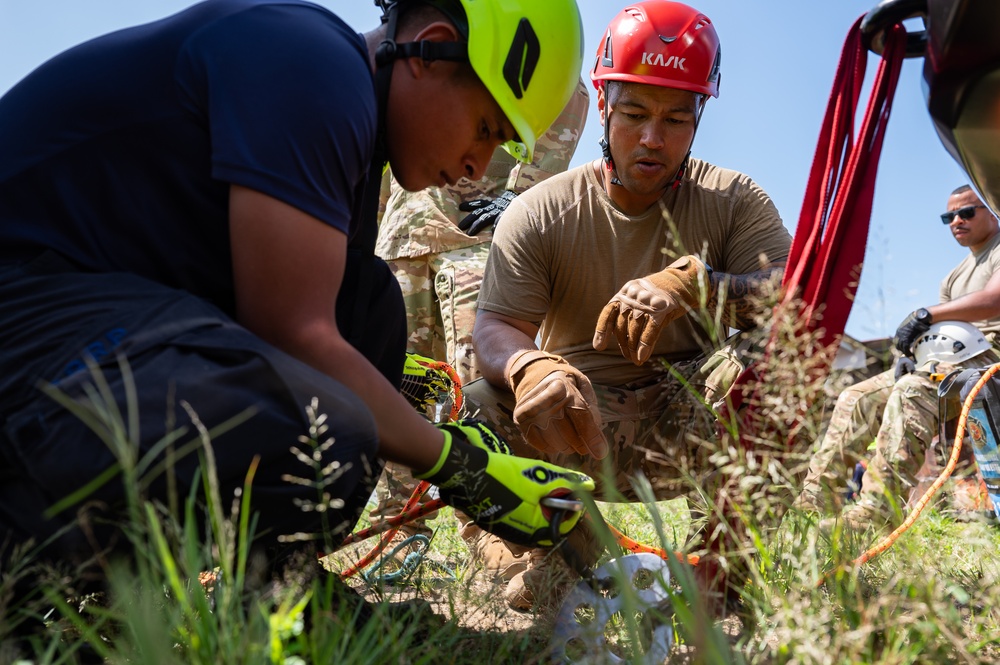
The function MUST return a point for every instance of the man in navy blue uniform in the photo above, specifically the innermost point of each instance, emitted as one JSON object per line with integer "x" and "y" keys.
{"x": 186, "y": 212}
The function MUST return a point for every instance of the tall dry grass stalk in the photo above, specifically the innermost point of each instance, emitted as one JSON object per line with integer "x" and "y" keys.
{"x": 932, "y": 598}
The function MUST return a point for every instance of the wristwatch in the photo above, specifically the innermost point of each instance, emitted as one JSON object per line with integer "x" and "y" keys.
{"x": 923, "y": 316}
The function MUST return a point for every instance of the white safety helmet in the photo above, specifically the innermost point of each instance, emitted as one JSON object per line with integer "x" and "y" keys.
{"x": 949, "y": 342}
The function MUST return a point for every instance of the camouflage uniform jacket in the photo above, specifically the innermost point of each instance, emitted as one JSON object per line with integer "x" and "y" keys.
{"x": 426, "y": 222}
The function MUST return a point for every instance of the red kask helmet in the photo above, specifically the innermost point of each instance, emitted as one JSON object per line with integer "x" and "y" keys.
{"x": 659, "y": 42}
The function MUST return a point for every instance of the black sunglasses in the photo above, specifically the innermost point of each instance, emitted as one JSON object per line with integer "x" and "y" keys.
{"x": 968, "y": 212}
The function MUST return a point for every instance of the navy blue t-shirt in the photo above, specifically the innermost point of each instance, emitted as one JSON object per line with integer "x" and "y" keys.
{"x": 119, "y": 153}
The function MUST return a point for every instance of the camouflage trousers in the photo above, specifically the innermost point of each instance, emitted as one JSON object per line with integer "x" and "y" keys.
{"x": 900, "y": 418}
{"x": 440, "y": 292}
{"x": 663, "y": 430}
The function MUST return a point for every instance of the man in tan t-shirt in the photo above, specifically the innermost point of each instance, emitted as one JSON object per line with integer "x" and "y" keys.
{"x": 899, "y": 412}
{"x": 626, "y": 270}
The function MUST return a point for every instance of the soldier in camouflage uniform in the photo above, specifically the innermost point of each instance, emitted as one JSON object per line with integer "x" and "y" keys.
{"x": 899, "y": 416}
{"x": 440, "y": 267}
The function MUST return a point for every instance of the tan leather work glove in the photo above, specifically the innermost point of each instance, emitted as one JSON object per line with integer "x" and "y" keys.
{"x": 644, "y": 306}
{"x": 556, "y": 406}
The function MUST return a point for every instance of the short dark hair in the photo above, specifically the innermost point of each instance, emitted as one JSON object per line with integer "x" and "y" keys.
{"x": 419, "y": 14}
{"x": 961, "y": 189}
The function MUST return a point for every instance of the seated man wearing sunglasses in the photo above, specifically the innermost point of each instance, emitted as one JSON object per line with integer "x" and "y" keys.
{"x": 897, "y": 411}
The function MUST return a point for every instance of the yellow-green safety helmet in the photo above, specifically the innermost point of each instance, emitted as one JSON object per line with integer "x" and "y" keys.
{"x": 528, "y": 54}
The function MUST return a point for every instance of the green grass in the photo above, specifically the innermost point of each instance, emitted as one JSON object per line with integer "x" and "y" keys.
{"x": 931, "y": 598}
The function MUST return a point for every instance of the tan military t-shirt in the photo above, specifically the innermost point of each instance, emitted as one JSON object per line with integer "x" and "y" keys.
{"x": 564, "y": 249}
{"x": 971, "y": 275}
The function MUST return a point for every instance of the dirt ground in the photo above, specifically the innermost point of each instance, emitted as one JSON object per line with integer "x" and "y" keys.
{"x": 475, "y": 600}
{"x": 456, "y": 589}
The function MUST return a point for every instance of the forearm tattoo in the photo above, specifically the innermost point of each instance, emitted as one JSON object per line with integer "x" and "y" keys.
{"x": 745, "y": 297}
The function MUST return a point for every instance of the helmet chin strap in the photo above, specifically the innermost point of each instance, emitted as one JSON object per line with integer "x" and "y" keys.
{"x": 384, "y": 57}
{"x": 609, "y": 161}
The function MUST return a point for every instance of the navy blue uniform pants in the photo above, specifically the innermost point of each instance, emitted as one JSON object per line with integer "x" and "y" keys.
{"x": 169, "y": 360}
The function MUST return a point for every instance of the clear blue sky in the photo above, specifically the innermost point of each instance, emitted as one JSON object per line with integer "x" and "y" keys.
{"x": 778, "y": 63}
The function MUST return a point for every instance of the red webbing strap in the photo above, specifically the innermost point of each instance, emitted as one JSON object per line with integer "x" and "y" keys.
{"x": 824, "y": 263}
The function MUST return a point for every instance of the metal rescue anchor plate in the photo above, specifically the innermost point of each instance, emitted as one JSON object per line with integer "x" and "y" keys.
{"x": 646, "y": 579}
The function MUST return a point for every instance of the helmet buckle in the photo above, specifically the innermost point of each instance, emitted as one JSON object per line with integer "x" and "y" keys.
{"x": 385, "y": 52}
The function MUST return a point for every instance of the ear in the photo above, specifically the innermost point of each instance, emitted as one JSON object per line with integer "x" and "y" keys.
{"x": 438, "y": 31}
{"x": 601, "y": 104}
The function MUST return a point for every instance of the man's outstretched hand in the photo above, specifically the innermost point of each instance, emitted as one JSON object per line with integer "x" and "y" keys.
{"x": 644, "y": 307}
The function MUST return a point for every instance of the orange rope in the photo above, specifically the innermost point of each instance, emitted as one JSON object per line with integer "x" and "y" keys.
{"x": 956, "y": 450}
{"x": 635, "y": 547}
{"x": 456, "y": 407}
{"x": 414, "y": 510}
{"x": 402, "y": 518}
{"x": 411, "y": 511}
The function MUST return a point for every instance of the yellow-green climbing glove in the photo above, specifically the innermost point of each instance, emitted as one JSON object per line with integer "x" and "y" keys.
{"x": 500, "y": 492}
{"x": 426, "y": 385}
